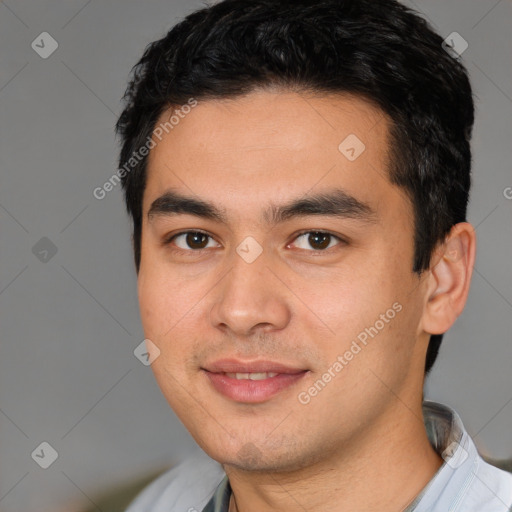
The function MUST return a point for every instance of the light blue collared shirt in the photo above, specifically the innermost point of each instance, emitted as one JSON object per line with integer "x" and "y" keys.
{"x": 464, "y": 483}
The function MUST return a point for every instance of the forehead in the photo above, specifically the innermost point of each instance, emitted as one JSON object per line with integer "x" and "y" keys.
{"x": 275, "y": 119}
{"x": 271, "y": 142}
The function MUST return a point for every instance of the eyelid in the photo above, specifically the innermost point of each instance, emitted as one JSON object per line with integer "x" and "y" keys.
{"x": 322, "y": 232}
{"x": 168, "y": 239}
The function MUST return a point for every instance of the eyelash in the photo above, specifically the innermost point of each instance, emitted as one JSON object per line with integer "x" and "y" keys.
{"x": 168, "y": 240}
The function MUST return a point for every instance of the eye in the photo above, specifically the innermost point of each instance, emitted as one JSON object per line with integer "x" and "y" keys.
{"x": 194, "y": 241}
{"x": 190, "y": 240}
{"x": 318, "y": 240}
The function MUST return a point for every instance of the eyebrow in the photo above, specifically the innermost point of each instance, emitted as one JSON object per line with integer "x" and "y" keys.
{"x": 334, "y": 203}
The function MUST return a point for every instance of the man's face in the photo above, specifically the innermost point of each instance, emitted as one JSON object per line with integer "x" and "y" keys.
{"x": 337, "y": 316}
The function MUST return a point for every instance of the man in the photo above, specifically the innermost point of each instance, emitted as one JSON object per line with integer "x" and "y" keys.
{"x": 298, "y": 173}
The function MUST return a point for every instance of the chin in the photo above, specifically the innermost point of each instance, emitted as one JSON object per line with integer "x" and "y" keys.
{"x": 251, "y": 457}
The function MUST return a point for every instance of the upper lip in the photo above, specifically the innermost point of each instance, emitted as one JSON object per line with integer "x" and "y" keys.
{"x": 238, "y": 366}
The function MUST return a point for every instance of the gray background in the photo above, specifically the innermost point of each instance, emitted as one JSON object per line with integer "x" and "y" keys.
{"x": 70, "y": 325}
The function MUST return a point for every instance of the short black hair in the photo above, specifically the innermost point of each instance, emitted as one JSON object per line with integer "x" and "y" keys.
{"x": 380, "y": 50}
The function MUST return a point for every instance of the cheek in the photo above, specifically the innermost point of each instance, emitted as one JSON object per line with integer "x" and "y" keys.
{"x": 170, "y": 309}
{"x": 371, "y": 306}
{"x": 347, "y": 300}
{"x": 147, "y": 292}
{"x": 157, "y": 307}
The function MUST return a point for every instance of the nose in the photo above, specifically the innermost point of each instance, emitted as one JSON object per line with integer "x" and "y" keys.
{"x": 250, "y": 298}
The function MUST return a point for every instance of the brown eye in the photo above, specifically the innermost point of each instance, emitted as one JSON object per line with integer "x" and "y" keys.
{"x": 191, "y": 240}
{"x": 196, "y": 240}
{"x": 317, "y": 240}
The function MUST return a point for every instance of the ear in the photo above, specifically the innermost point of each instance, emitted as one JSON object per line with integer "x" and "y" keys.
{"x": 449, "y": 279}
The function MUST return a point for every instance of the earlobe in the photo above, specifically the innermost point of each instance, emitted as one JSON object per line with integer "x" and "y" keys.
{"x": 449, "y": 280}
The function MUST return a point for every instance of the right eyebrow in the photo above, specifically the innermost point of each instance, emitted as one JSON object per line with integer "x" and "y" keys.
{"x": 172, "y": 203}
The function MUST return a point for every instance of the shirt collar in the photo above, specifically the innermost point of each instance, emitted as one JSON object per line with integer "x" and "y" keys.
{"x": 220, "y": 499}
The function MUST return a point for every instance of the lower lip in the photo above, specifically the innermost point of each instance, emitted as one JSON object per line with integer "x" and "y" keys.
{"x": 252, "y": 391}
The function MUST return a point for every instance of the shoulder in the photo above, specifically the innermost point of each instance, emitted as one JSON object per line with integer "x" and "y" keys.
{"x": 185, "y": 488}
{"x": 490, "y": 489}
{"x": 465, "y": 482}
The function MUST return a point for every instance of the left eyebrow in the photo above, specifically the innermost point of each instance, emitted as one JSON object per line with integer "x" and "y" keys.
{"x": 333, "y": 203}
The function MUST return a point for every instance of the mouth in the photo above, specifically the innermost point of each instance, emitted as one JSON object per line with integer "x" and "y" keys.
{"x": 251, "y": 376}
{"x": 251, "y": 382}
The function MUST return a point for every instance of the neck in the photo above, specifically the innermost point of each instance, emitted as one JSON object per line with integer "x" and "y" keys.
{"x": 383, "y": 470}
